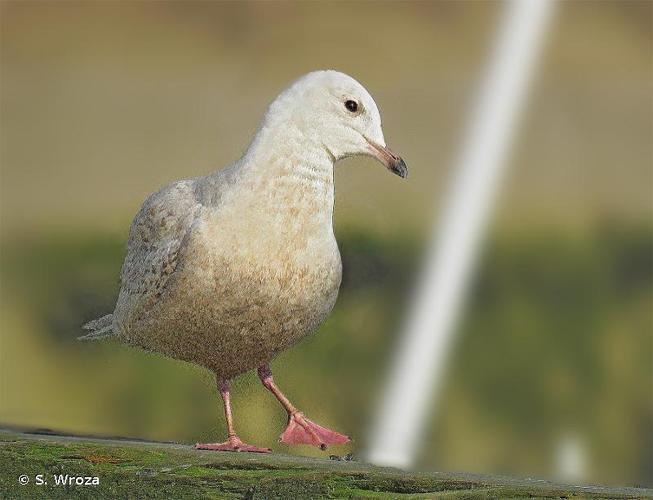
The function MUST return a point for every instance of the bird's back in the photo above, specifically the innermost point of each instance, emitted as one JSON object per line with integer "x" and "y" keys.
{"x": 156, "y": 237}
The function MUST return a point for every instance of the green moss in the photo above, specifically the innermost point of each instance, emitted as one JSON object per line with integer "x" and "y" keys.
{"x": 129, "y": 469}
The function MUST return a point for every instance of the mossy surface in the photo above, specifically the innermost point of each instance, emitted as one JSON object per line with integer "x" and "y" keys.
{"x": 135, "y": 469}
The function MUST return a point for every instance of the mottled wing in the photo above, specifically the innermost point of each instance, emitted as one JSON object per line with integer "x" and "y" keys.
{"x": 156, "y": 239}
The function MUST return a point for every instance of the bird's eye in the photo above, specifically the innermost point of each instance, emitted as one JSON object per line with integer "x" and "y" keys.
{"x": 351, "y": 106}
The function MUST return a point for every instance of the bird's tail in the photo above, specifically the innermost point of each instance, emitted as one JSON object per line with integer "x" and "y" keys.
{"x": 99, "y": 328}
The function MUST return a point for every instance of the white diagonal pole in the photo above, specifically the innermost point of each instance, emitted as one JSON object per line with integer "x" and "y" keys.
{"x": 421, "y": 354}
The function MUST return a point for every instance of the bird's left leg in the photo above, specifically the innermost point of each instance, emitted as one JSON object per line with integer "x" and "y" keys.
{"x": 300, "y": 430}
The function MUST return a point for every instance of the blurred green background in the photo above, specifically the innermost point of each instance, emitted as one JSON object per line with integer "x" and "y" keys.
{"x": 104, "y": 102}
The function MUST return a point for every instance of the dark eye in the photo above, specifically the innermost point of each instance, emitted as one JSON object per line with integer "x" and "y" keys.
{"x": 351, "y": 106}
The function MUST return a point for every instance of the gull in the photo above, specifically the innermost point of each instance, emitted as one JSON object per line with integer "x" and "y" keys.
{"x": 230, "y": 269}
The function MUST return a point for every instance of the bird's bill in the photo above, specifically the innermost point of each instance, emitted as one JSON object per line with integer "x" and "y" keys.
{"x": 392, "y": 162}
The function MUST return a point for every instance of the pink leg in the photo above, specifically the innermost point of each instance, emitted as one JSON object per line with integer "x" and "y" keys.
{"x": 300, "y": 430}
{"x": 233, "y": 442}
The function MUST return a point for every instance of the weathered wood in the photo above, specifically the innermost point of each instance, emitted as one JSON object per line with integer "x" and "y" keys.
{"x": 141, "y": 469}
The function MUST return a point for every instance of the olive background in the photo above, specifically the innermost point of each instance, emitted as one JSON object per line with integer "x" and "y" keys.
{"x": 104, "y": 102}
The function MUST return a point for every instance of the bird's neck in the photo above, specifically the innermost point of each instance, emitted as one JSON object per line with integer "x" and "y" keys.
{"x": 294, "y": 173}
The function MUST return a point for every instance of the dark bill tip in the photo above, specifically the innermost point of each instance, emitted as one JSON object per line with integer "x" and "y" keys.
{"x": 392, "y": 162}
{"x": 399, "y": 168}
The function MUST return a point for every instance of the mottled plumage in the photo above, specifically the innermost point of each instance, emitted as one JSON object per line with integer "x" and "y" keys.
{"x": 230, "y": 269}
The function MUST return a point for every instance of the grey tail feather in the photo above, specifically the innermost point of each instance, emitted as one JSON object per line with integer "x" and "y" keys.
{"x": 98, "y": 328}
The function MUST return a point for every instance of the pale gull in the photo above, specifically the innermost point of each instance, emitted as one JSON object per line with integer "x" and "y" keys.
{"x": 229, "y": 270}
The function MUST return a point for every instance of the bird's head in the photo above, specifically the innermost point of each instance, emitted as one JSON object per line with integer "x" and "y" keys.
{"x": 336, "y": 112}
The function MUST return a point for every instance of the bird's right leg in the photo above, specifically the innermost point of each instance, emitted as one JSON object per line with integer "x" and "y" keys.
{"x": 233, "y": 442}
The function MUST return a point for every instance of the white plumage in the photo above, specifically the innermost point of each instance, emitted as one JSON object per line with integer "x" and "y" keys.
{"x": 230, "y": 269}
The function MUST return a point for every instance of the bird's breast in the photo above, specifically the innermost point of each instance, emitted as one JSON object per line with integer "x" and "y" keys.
{"x": 281, "y": 264}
